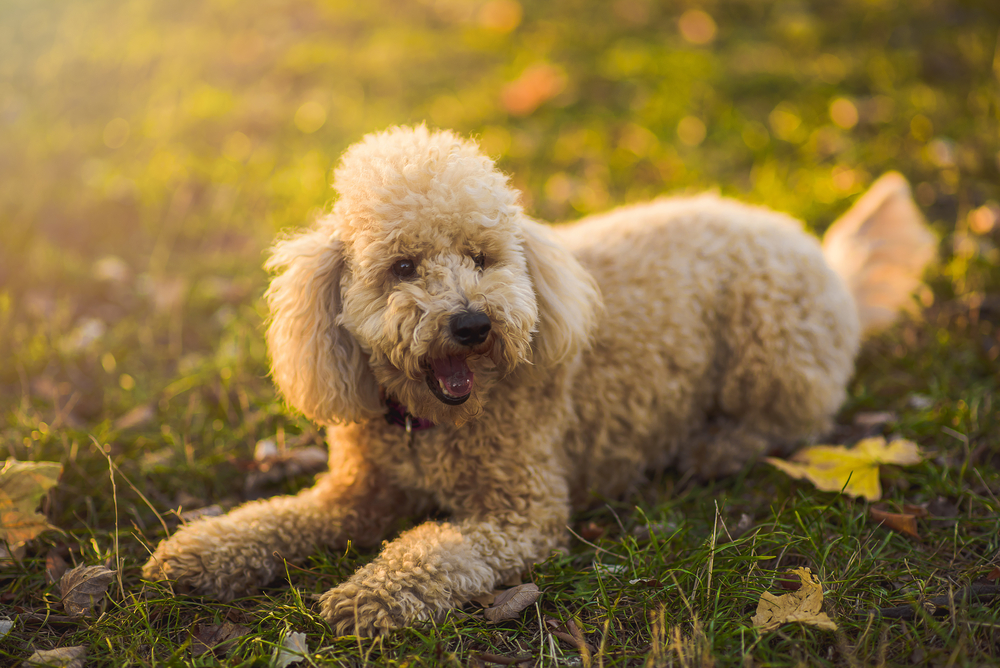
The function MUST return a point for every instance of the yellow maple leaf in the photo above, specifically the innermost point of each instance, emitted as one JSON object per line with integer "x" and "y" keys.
{"x": 854, "y": 471}
{"x": 22, "y": 486}
{"x": 802, "y": 606}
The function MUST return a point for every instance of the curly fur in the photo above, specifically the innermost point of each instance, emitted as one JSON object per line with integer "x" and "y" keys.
{"x": 723, "y": 332}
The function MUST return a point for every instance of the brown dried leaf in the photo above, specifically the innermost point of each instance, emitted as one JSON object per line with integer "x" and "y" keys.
{"x": 920, "y": 512}
{"x": 83, "y": 588}
{"x": 209, "y": 637}
{"x": 22, "y": 487}
{"x": 61, "y": 657}
{"x": 802, "y": 606}
{"x": 591, "y": 531}
{"x": 994, "y": 575}
{"x": 900, "y": 522}
{"x": 510, "y": 603}
{"x": 55, "y": 566}
{"x": 485, "y": 600}
{"x": 571, "y": 633}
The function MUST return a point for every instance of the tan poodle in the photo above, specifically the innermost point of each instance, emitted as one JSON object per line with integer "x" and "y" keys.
{"x": 471, "y": 360}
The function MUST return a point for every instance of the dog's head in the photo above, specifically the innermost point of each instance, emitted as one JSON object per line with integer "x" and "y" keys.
{"x": 427, "y": 284}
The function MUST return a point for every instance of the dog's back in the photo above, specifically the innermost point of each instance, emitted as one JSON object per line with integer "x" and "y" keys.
{"x": 728, "y": 329}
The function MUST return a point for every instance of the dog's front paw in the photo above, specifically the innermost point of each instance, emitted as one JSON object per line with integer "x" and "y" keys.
{"x": 354, "y": 609}
{"x": 201, "y": 560}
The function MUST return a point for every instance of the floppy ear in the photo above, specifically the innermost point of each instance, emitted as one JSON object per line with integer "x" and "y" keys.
{"x": 315, "y": 362}
{"x": 569, "y": 300}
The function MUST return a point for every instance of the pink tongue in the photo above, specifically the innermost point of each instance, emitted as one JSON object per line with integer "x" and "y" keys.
{"x": 453, "y": 375}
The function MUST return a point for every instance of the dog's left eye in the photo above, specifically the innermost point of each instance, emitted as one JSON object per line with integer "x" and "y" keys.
{"x": 404, "y": 268}
{"x": 480, "y": 260}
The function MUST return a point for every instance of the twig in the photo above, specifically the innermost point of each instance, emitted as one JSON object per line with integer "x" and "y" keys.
{"x": 44, "y": 619}
{"x": 972, "y": 594}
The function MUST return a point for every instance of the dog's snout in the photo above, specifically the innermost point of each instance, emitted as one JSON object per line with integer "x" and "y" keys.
{"x": 470, "y": 328}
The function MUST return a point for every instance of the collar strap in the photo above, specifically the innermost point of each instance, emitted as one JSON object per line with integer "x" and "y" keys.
{"x": 399, "y": 416}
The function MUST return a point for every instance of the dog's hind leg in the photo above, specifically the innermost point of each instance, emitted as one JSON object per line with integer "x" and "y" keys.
{"x": 229, "y": 556}
{"x": 786, "y": 347}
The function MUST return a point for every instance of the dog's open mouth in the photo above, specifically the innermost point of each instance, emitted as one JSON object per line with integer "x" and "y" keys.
{"x": 450, "y": 379}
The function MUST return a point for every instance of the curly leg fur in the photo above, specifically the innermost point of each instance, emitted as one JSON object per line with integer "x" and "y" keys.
{"x": 431, "y": 569}
{"x": 233, "y": 555}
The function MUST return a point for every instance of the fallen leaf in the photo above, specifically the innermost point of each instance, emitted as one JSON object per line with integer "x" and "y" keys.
{"x": 22, "y": 486}
{"x": 484, "y": 600}
{"x": 510, "y": 603}
{"x": 899, "y": 522}
{"x": 293, "y": 650}
{"x": 854, "y": 471}
{"x": 62, "y": 657}
{"x": 802, "y": 606}
{"x": 55, "y": 566}
{"x": 209, "y": 637}
{"x": 920, "y": 512}
{"x": 994, "y": 575}
{"x": 571, "y": 633}
{"x": 648, "y": 583}
{"x": 83, "y": 588}
{"x": 591, "y": 531}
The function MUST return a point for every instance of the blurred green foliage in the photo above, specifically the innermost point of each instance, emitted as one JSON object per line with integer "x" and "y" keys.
{"x": 151, "y": 149}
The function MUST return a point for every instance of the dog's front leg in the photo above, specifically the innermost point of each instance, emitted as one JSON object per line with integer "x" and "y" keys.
{"x": 237, "y": 553}
{"x": 438, "y": 566}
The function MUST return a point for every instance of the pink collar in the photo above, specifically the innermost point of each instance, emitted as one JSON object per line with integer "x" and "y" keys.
{"x": 399, "y": 416}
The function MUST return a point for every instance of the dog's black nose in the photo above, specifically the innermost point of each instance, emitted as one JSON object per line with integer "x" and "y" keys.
{"x": 470, "y": 328}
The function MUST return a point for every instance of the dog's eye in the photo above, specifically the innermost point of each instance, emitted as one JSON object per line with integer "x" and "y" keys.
{"x": 404, "y": 268}
{"x": 480, "y": 260}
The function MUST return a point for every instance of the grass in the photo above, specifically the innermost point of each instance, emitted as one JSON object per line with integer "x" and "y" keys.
{"x": 153, "y": 149}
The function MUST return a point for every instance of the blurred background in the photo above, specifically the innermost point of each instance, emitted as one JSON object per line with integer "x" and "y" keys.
{"x": 151, "y": 149}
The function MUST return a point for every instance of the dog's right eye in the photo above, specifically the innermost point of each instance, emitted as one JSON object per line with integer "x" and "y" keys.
{"x": 404, "y": 268}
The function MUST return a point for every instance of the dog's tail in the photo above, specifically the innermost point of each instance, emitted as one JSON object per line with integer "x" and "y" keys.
{"x": 880, "y": 248}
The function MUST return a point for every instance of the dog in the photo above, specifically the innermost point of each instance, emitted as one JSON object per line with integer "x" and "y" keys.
{"x": 470, "y": 360}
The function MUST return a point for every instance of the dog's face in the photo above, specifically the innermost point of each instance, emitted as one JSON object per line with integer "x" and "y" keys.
{"x": 437, "y": 290}
{"x": 426, "y": 285}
